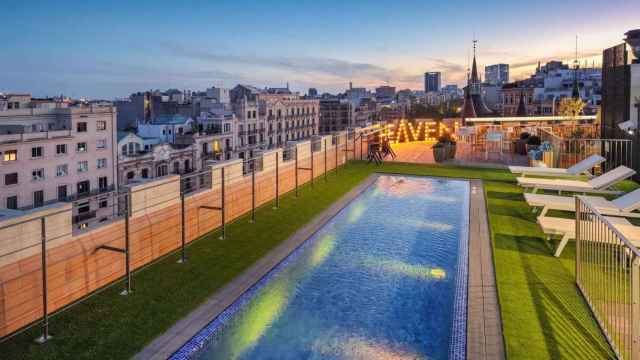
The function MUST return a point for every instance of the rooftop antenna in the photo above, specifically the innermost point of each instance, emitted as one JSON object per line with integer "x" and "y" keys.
{"x": 576, "y": 56}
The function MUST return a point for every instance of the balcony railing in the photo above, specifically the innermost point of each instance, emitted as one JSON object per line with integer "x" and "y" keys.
{"x": 568, "y": 152}
{"x": 87, "y": 194}
{"x": 32, "y": 136}
{"x": 251, "y": 165}
{"x": 289, "y": 153}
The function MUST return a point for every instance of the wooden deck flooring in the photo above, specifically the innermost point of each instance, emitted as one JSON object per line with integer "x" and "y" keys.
{"x": 421, "y": 153}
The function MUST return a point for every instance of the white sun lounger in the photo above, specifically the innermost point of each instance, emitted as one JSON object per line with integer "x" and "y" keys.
{"x": 580, "y": 168}
{"x": 597, "y": 185}
{"x": 567, "y": 228}
{"x": 622, "y": 206}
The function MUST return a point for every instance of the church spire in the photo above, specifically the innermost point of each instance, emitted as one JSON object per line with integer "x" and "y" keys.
{"x": 468, "y": 110}
{"x": 522, "y": 107}
{"x": 474, "y": 66}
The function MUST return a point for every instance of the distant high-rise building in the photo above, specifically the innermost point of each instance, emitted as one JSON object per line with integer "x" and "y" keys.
{"x": 385, "y": 93}
{"x": 432, "y": 81}
{"x": 497, "y": 74}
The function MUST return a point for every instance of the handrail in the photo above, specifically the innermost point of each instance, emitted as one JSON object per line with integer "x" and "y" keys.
{"x": 586, "y": 202}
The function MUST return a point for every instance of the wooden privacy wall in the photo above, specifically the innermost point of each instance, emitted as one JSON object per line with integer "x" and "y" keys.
{"x": 75, "y": 268}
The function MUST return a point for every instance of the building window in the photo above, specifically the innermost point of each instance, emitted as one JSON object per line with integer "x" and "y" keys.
{"x": 102, "y": 163}
{"x": 131, "y": 175}
{"x": 103, "y": 203}
{"x": 10, "y": 155}
{"x": 38, "y": 198}
{"x": 101, "y": 125}
{"x": 103, "y": 183}
{"x": 62, "y": 170}
{"x": 81, "y": 127}
{"x": 37, "y": 152}
{"x": 83, "y": 187}
{"x": 83, "y": 166}
{"x": 162, "y": 170}
{"x": 11, "y": 179}
{"x": 227, "y": 127}
{"x": 62, "y": 192}
{"x": 61, "y": 149}
{"x": 176, "y": 167}
{"x": 145, "y": 173}
{"x": 37, "y": 174}
{"x": 101, "y": 144}
{"x": 12, "y": 202}
{"x": 81, "y": 147}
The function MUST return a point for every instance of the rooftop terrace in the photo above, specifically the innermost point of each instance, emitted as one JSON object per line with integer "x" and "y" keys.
{"x": 543, "y": 313}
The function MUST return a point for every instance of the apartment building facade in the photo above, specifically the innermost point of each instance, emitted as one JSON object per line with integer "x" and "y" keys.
{"x": 59, "y": 154}
{"x": 289, "y": 118}
{"x": 335, "y": 115}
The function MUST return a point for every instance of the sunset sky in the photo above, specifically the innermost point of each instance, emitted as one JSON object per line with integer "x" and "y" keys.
{"x": 109, "y": 49}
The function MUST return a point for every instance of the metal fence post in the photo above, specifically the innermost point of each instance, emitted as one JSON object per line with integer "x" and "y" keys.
{"x": 325, "y": 159}
{"x": 45, "y": 309}
{"x": 253, "y": 191}
{"x": 222, "y": 206}
{"x": 277, "y": 182}
{"x": 183, "y": 257}
{"x": 635, "y": 310}
{"x": 577, "y": 232}
{"x": 311, "y": 167}
{"x": 127, "y": 257}
{"x": 296, "y": 165}
{"x": 336, "y": 147}
{"x": 361, "y": 158}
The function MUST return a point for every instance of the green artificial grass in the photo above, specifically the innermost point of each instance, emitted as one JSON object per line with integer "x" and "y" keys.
{"x": 542, "y": 312}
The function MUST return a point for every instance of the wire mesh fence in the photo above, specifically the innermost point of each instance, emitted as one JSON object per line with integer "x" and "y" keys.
{"x": 71, "y": 252}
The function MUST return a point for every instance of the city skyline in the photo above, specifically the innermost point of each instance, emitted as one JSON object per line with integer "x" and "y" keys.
{"x": 131, "y": 47}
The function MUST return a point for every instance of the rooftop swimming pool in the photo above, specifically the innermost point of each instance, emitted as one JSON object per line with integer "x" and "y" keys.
{"x": 386, "y": 278}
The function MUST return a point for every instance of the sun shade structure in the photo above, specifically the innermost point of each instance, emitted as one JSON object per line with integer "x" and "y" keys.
{"x": 598, "y": 185}
{"x": 582, "y": 167}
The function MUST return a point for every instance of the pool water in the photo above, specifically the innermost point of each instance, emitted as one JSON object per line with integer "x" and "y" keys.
{"x": 384, "y": 279}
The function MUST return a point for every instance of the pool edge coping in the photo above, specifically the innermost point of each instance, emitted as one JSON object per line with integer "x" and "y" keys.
{"x": 163, "y": 346}
{"x": 485, "y": 335}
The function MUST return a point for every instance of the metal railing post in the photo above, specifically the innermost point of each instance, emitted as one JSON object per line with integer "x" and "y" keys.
{"x": 635, "y": 310}
{"x": 296, "y": 165}
{"x": 325, "y": 159}
{"x": 222, "y": 206}
{"x": 45, "y": 308}
{"x": 277, "y": 182}
{"x": 183, "y": 257}
{"x": 253, "y": 191}
{"x": 127, "y": 254}
{"x": 361, "y": 158}
{"x": 311, "y": 167}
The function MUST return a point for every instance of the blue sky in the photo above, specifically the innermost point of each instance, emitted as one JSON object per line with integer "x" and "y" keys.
{"x": 109, "y": 49}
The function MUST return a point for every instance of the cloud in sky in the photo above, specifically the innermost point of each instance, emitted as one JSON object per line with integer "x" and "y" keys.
{"x": 324, "y": 70}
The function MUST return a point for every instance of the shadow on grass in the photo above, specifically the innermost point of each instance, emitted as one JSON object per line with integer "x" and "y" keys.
{"x": 504, "y": 195}
{"x": 539, "y": 288}
{"x": 569, "y": 328}
{"x": 531, "y": 245}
